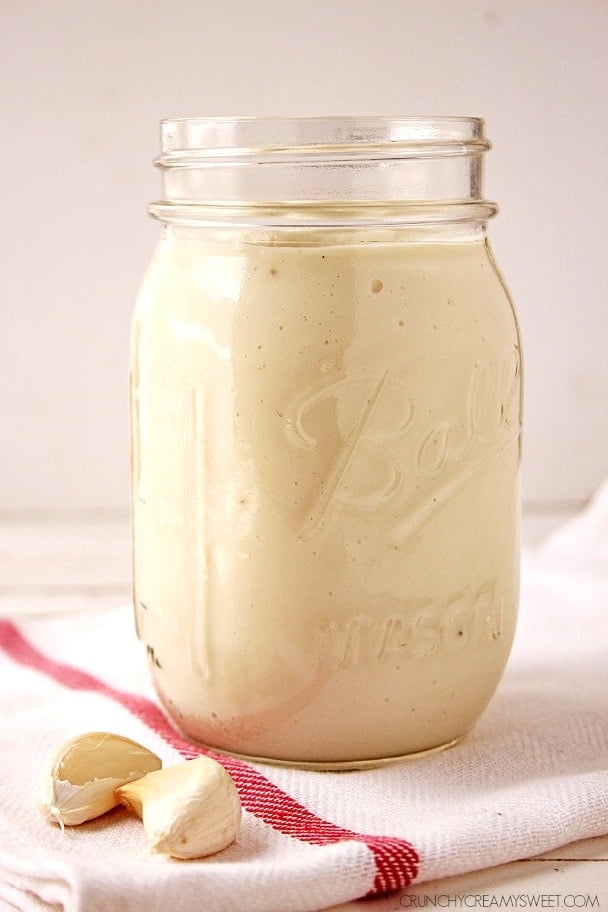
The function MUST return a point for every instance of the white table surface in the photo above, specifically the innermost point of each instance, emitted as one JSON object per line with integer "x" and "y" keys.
{"x": 68, "y": 564}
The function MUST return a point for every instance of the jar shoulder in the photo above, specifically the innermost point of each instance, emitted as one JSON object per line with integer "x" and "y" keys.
{"x": 370, "y": 284}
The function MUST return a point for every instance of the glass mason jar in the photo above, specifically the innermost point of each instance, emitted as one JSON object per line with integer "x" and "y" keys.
{"x": 326, "y": 401}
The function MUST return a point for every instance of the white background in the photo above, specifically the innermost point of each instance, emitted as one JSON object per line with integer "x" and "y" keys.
{"x": 83, "y": 86}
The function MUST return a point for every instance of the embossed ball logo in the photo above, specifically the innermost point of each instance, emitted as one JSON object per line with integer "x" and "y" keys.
{"x": 397, "y": 457}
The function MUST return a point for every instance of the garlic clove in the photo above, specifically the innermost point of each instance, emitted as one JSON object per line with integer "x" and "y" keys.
{"x": 189, "y": 810}
{"x": 79, "y": 780}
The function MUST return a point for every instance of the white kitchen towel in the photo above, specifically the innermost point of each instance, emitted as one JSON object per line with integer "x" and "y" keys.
{"x": 531, "y": 776}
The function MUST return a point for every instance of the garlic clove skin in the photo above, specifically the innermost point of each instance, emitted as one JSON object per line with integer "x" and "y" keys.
{"x": 79, "y": 780}
{"x": 189, "y": 810}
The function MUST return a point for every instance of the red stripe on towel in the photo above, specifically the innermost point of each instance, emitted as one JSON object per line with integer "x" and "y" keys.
{"x": 396, "y": 860}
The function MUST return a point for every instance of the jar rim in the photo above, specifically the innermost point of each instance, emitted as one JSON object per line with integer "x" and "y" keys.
{"x": 187, "y": 140}
{"x": 318, "y": 170}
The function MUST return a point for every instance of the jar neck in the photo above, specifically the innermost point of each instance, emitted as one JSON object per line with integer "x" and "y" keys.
{"x": 339, "y": 173}
{"x": 227, "y": 234}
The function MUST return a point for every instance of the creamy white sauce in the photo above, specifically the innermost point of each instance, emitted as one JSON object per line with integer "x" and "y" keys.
{"x": 326, "y": 455}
